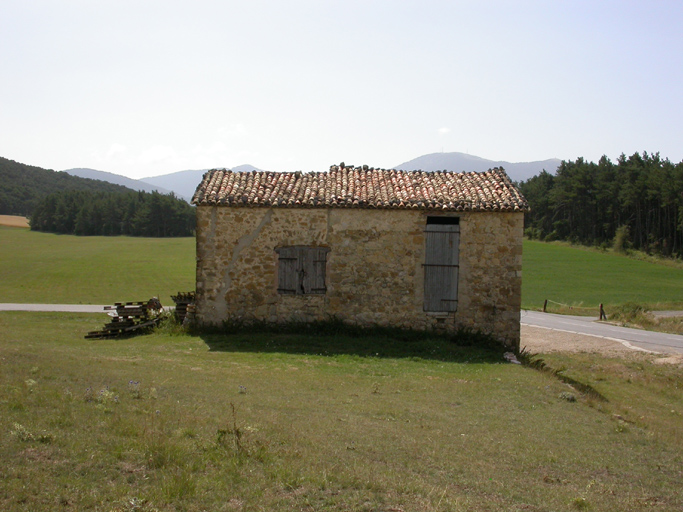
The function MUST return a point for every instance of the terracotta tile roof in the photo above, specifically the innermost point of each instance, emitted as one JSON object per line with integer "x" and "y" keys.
{"x": 362, "y": 187}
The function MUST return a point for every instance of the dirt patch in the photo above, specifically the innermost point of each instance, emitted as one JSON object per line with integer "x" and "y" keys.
{"x": 13, "y": 221}
{"x": 539, "y": 340}
{"x": 674, "y": 359}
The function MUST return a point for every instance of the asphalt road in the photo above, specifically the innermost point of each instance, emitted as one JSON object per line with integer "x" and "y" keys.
{"x": 647, "y": 340}
{"x": 60, "y": 308}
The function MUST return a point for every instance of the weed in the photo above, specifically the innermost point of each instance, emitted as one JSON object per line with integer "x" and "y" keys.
{"x": 580, "y": 503}
{"x": 134, "y": 389}
{"x": 160, "y": 452}
{"x": 103, "y": 399}
{"x": 187, "y": 432}
{"x": 135, "y": 504}
{"x": 530, "y": 359}
{"x": 16, "y": 406}
{"x": 178, "y": 484}
{"x": 569, "y": 397}
{"x": 22, "y": 433}
{"x": 621, "y": 427}
{"x": 45, "y": 438}
{"x": 106, "y": 396}
{"x": 234, "y": 438}
{"x": 632, "y": 314}
{"x": 223, "y": 436}
{"x": 170, "y": 326}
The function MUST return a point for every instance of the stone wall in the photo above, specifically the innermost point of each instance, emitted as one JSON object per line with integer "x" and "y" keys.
{"x": 374, "y": 267}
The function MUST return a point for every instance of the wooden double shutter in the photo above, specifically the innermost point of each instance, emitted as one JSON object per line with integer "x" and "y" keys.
{"x": 301, "y": 270}
{"x": 442, "y": 239}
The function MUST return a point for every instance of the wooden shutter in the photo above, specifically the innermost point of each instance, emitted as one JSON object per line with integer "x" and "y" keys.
{"x": 301, "y": 270}
{"x": 314, "y": 269}
{"x": 441, "y": 267}
{"x": 287, "y": 274}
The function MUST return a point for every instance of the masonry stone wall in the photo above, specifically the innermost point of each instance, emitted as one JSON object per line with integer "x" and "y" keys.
{"x": 374, "y": 267}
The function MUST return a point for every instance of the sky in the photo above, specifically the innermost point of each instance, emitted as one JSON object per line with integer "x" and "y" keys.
{"x": 144, "y": 88}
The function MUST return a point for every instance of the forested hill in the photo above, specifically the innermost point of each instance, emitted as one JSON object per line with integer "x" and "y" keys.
{"x": 636, "y": 202}
{"x": 22, "y": 186}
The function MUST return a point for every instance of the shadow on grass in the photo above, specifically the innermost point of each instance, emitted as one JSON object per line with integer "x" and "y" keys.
{"x": 337, "y": 338}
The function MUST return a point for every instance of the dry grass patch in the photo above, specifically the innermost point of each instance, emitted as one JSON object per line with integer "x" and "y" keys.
{"x": 14, "y": 221}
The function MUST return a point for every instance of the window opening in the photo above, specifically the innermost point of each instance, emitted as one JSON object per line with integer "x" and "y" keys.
{"x": 452, "y": 221}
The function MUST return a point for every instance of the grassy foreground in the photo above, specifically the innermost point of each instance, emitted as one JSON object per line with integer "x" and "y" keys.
{"x": 292, "y": 422}
{"x": 54, "y": 269}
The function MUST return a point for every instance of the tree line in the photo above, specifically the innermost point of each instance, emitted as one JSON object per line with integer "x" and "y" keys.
{"x": 131, "y": 213}
{"x": 636, "y": 202}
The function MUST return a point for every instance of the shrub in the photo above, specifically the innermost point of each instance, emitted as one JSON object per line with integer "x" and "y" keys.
{"x": 533, "y": 233}
{"x": 632, "y": 313}
{"x": 552, "y": 236}
{"x": 621, "y": 241}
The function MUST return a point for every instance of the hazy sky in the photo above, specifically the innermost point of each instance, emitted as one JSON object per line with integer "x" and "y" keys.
{"x": 143, "y": 88}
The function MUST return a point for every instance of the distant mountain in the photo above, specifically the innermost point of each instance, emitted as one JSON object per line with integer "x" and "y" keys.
{"x": 459, "y": 162}
{"x": 116, "y": 179}
{"x": 23, "y": 186}
{"x": 184, "y": 183}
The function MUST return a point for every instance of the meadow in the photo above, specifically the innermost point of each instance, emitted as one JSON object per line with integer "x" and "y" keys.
{"x": 278, "y": 421}
{"x": 49, "y": 268}
{"x": 64, "y": 269}
{"x": 578, "y": 276}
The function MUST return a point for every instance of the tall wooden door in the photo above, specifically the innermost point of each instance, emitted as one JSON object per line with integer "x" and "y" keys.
{"x": 442, "y": 238}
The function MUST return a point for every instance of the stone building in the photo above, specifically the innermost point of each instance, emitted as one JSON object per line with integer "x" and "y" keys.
{"x": 369, "y": 246}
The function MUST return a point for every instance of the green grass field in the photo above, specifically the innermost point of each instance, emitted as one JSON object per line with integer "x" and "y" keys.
{"x": 47, "y": 268}
{"x": 42, "y": 267}
{"x": 585, "y": 277}
{"x": 264, "y": 421}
